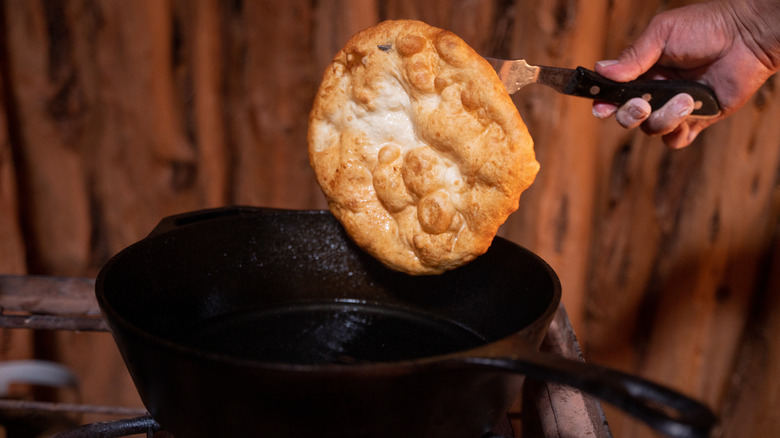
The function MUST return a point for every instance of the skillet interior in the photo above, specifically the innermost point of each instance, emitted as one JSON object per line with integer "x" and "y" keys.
{"x": 289, "y": 286}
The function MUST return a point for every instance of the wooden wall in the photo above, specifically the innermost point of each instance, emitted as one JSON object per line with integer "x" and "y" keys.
{"x": 116, "y": 113}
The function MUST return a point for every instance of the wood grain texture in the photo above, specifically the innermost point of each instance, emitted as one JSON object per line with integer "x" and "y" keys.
{"x": 671, "y": 289}
{"x": 14, "y": 344}
{"x": 116, "y": 114}
{"x": 12, "y": 251}
{"x": 754, "y": 387}
{"x": 554, "y": 216}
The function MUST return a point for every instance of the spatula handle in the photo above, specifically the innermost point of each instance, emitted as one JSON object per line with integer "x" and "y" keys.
{"x": 587, "y": 83}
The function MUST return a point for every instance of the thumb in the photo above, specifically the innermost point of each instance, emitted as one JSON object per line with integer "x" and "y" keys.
{"x": 637, "y": 58}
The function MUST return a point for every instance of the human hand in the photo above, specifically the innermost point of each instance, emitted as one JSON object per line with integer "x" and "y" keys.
{"x": 733, "y": 47}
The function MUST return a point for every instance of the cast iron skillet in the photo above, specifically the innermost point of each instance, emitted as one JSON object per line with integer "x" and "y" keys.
{"x": 271, "y": 323}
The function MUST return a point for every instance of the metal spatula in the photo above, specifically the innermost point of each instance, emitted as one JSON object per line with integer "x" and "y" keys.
{"x": 515, "y": 74}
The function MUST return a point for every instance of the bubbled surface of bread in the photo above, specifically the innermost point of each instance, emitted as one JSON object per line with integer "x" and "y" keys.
{"x": 417, "y": 146}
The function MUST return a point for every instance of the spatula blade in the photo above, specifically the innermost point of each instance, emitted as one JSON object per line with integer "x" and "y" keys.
{"x": 517, "y": 73}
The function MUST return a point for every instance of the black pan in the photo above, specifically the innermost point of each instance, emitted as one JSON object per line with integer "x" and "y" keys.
{"x": 271, "y": 323}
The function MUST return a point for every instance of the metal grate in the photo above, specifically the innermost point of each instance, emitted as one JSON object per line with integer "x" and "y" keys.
{"x": 64, "y": 304}
{"x": 118, "y": 428}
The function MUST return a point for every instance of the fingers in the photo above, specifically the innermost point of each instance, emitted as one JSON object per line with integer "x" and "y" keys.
{"x": 670, "y": 116}
{"x": 603, "y": 110}
{"x": 679, "y": 138}
{"x": 639, "y": 57}
{"x": 670, "y": 121}
{"x": 629, "y": 115}
{"x": 633, "y": 113}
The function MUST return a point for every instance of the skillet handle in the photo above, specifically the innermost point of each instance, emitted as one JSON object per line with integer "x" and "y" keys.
{"x": 661, "y": 408}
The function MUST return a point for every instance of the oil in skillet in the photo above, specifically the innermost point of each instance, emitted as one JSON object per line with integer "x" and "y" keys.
{"x": 324, "y": 333}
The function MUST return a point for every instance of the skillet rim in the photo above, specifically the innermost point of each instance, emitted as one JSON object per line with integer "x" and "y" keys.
{"x": 168, "y": 224}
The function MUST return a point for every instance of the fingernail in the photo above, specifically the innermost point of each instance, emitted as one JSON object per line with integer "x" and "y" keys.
{"x": 683, "y": 108}
{"x": 607, "y": 62}
{"x": 684, "y": 111}
{"x": 637, "y": 112}
{"x": 603, "y": 111}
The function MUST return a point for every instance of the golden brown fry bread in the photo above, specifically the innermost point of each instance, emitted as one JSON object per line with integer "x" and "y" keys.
{"x": 418, "y": 148}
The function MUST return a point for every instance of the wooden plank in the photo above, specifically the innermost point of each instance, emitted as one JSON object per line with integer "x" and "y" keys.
{"x": 12, "y": 250}
{"x": 754, "y": 393}
{"x": 560, "y": 411}
{"x": 143, "y": 157}
{"x": 48, "y": 104}
{"x": 101, "y": 151}
{"x": 554, "y": 218}
{"x": 49, "y": 303}
{"x": 626, "y": 237}
{"x": 334, "y": 24}
{"x": 471, "y": 20}
{"x": 47, "y": 294}
{"x": 679, "y": 241}
{"x": 14, "y": 344}
{"x": 269, "y": 90}
{"x": 697, "y": 300}
{"x": 198, "y": 74}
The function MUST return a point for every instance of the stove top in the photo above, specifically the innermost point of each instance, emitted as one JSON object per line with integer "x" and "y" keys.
{"x": 56, "y": 303}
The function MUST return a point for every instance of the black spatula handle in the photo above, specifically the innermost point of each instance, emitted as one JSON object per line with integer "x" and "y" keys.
{"x": 588, "y": 83}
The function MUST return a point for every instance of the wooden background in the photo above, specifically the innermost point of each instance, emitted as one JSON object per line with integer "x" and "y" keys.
{"x": 116, "y": 113}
